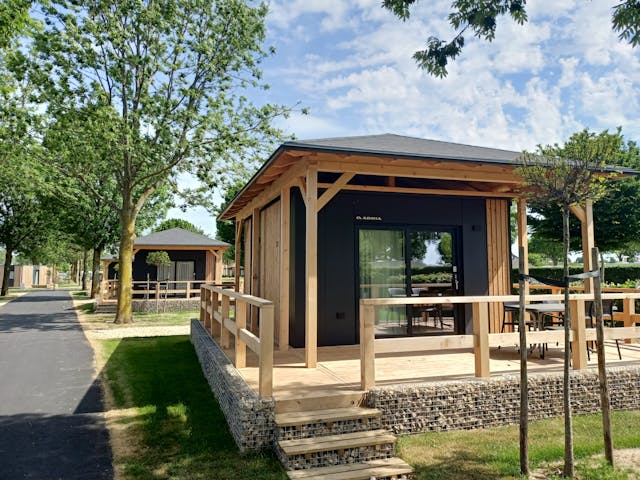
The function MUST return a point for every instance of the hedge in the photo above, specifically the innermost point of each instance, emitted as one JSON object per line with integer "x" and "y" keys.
{"x": 612, "y": 274}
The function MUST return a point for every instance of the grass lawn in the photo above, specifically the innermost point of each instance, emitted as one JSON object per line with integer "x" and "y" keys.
{"x": 167, "y": 423}
{"x": 493, "y": 453}
{"x": 140, "y": 319}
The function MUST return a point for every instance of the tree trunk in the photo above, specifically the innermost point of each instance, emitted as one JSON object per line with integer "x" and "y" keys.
{"x": 85, "y": 257}
{"x": 524, "y": 379}
{"x": 95, "y": 271}
{"x": 605, "y": 400}
{"x": 8, "y": 256}
{"x": 128, "y": 235}
{"x": 569, "y": 468}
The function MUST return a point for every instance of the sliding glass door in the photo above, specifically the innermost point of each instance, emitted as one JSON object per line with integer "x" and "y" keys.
{"x": 409, "y": 261}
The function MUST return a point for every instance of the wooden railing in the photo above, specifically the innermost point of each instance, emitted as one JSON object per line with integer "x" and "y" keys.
{"x": 155, "y": 289}
{"x": 216, "y": 317}
{"x": 482, "y": 340}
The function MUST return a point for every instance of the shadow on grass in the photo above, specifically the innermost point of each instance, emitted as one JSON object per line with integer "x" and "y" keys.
{"x": 181, "y": 429}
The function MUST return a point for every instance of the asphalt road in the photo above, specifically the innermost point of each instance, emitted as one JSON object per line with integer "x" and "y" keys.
{"x": 50, "y": 422}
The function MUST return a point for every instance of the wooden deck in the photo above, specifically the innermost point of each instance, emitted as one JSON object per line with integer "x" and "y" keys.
{"x": 338, "y": 369}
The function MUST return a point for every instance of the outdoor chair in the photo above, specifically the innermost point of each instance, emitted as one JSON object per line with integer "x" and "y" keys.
{"x": 513, "y": 310}
{"x": 427, "y": 309}
{"x": 608, "y": 307}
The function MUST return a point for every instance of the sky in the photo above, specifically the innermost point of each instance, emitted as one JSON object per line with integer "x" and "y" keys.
{"x": 350, "y": 63}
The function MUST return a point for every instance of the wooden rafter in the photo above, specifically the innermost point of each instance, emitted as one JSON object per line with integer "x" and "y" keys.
{"x": 331, "y": 191}
{"x": 422, "y": 191}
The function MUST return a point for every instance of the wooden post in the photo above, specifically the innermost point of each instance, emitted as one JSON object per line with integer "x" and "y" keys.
{"x": 628, "y": 310}
{"x": 285, "y": 238}
{"x": 605, "y": 400}
{"x": 213, "y": 307}
{"x": 209, "y": 267}
{"x": 266, "y": 351}
{"x": 585, "y": 215}
{"x": 224, "y": 333}
{"x": 579, "y": 343}
{"x": 237, "y": 249}
{"x": 217, "y": 267}
{"x": 311, "y": 271}
{"x": 255, "y": 265}
{"x": 523, "y": 239}
{"x": 481, "y": 339}
{"x": 203, "y": 308}
{"x": 367, "y": 347}
{"x": 241, "y": 322}
{"x": 188, "y": 292}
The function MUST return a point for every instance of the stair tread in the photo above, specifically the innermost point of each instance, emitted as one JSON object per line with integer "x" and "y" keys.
{"x": 386, "y": 467}
{"x": 336, "y": 442}
{"x": 320, "y": 400}
{"x": 328, "y": 415}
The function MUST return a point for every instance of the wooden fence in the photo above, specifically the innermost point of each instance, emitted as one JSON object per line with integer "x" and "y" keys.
{"x": 224, "y": 312}
{"x": 155, "y": 289}
{"x": 482, "y": 340}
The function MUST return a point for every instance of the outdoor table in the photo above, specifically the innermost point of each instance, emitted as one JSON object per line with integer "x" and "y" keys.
{"x": 539, "y": 309}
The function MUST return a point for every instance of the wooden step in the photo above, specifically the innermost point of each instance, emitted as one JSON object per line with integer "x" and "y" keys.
{"x": 336, "y": 442}
{"x": 325, "y": 416}
{"x": 384, "y": 468}
{"x": 318, "y": 401}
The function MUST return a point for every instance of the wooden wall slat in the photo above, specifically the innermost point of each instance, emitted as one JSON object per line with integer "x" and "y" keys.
{"x": 498, "y": 257}
{"x": 270, "y": 258}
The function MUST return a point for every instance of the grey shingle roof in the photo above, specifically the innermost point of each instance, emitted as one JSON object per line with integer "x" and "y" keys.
{"x": 178, "y": 237}
{"x": 390, "y": 144}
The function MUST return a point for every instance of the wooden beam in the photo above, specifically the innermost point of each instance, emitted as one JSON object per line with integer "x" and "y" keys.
{"x": 425, "y": 191}
{"x": 285, "y": 239}
{"x": 237, "y": 248}
{"x": 300, "y": 183}
{"x": 579, "y": 343}
{"x": 255, "y": 263}
{"x": 523, "y": 239}
{"x": 311, "y": 283}
{"x": 588, "y": 242}
{"x": 386, "y": 167}
{"x": 331, "y": 191}
{"x": 272, "y": 191}
{"x": 481, "y": 341}
{"x": 209, "y": 267}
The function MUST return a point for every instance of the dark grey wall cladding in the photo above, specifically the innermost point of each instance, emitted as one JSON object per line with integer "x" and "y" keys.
{"x": 472, "y": 404}
{"x": 251, "y": 419}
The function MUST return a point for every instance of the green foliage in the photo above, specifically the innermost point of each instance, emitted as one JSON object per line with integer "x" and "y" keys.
{"x": 616, "y": 214}
{"x": 616, "y": 275}
{"x": 159, "y": 259}
{"x": 545, "y": 249}
{"x": 177, "y": 223}
{"x": 14, "y": 19}
{"x": 480, "y": 18}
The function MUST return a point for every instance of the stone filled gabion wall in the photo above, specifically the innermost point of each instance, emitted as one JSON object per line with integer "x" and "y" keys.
{"x": 168, "y": 305}
{"x": 468, "y": 404}
{"x": 251, "y": 419}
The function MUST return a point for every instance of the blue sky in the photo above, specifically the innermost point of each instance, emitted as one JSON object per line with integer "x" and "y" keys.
{"x": 350, "y": 63}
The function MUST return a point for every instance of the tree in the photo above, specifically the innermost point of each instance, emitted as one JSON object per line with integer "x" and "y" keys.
{"x": 172, "y": 72}
{"x": 480, "y": 18}
{"x": 14, "y": 19}
{"x": 564, "y": 176}
{"x": 159, "y": 259}
{"x": 617, "y": 214}
{"x": 177, "y": 223}
{"x": 88, "y": 214}
{"x": 23, "y": 190}
{"x": 547, "y": 249}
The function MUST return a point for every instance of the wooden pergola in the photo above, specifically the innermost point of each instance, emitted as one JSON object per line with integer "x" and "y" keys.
{"x": 321, "y": 169}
